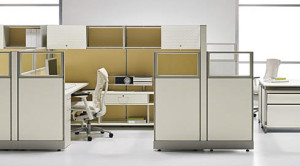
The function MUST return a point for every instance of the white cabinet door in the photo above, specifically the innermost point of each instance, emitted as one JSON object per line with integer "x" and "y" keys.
{"x": 5, "y": 109}
{"x": 177, "y": 109}
{"x": 229, "y": 109}
{"x": 1, "y": 36}
{"x": 66, "y": 37}
{"x": 41, "y": 109}
{"x": 180, "y": 37}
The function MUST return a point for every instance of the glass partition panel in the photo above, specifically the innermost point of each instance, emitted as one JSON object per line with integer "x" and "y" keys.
{"x": 4, "y": 64}
{"x": 40, "y": 64}
{"x": 230, "y": 64}
{"x": 177, "y": 64}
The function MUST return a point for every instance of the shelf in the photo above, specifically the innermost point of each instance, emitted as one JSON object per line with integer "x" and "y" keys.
{"x": 147, "y": 37}
{"x": 107, "y": 104}
{"x": 105, "y": 37}
{"x": 113, "y": 123}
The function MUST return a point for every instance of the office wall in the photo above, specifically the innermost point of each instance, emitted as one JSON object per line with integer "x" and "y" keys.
{"x": 219, "y": 15}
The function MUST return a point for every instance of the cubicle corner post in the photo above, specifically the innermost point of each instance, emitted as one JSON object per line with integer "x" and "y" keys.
{"x": 203, "y": 82}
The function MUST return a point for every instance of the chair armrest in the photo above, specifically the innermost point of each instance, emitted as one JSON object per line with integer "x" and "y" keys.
{"x": 80, "y": 95}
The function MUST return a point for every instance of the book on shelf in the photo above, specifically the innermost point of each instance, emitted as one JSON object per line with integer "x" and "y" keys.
{"x": 136, "y": 120}
{"x": 143, "y": 83}
{"x": 142, "y": 78}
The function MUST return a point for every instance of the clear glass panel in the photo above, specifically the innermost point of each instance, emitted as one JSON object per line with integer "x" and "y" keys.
{"x": 40, "y": 64}
{"x": 29, "y": 1}
{"x": 271, "y": 32}
{"x": 177, "y": 64}
{"x": 225, "y": 67}
{"x": 29, "y": 15}
{"x": 221, "y": 48}
{"x": 4, "y": 64}
{"x": 269, "y": 1}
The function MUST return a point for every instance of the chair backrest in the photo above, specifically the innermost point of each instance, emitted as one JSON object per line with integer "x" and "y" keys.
{"x": 272, "y": 67}
{"x": 99, "y": 93}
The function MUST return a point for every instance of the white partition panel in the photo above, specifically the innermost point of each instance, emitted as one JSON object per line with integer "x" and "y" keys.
{"x": 5, "y": 110}
{"x": 177, "y": 112}
{"x": 229, "y": 109}
{"x": 41, "y": 108}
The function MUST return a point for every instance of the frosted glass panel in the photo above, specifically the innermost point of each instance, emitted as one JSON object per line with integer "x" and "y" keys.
{"x": 45, "y": 15}
{"x": 271, "y": 32}
{"x": 221, "y": 48}
{"x": 29, "y": 1}
{"x": 269, "y": 1}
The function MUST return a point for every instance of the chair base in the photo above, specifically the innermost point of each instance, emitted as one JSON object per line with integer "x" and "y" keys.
{"x": 88, "y": 129}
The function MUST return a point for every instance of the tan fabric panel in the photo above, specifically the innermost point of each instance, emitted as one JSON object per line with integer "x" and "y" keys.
{"x": 82, "y": 65}
{"x": 177, "y": 64}
{"x": 17, "y": 36}
{"x": 143, "y": 36}
{"x": 4, "y": 64}
{"x": 105, "y": 37}
{"x": 114, "y": 113}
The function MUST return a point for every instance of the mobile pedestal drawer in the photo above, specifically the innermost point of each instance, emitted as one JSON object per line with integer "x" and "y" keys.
{"x": 284, "y": 98}
{"x": 126, "y": 98}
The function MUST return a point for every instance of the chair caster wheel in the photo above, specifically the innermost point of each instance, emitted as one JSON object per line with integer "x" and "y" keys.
{"x": 58, "y": 150}
{"x": 159, "y": 150}
{"x": 102, "y": 132}
{"x": 254, "y": 115}
{"x": 90, "y": 138}
{"x": 76, "y": 133}
{"x": 111, "y": 135}
{"x": 211, "y": 150}
{"x": 247, "y": 150}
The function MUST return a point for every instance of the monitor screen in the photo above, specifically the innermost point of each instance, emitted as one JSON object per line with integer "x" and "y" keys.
{"x": 52, "y": 66}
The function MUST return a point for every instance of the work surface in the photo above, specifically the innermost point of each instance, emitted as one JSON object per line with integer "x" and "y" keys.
{"x": 134, "y": 148}
{"x": 291, "y": 83}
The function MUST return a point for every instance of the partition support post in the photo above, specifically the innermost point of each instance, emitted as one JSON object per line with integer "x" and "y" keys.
{"x": 203, "y": 84}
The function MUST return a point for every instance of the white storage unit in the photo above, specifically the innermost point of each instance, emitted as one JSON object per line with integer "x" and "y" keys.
{"x": 2, "y": 37}
{"x": 279, "y": 106}
{"x": 66, "y": 37}
{"x": 180, "y": 37}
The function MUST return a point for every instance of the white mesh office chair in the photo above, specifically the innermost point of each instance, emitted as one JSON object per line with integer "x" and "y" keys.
{"x": 90, "y": 110}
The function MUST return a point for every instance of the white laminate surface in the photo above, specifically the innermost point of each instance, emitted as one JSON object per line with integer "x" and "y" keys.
{"x": 291, "y": 83}
{"x": 74, "y": 87}
{"x": 130, "y": 92}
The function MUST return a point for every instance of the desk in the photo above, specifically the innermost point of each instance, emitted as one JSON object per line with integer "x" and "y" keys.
{"x": 70, "y": 88}
{"x": 279, "y": 105}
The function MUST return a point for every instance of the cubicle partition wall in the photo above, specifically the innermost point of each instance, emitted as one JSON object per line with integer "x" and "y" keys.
{"x": 229, "y": 97}
{"x": 40, "y": 94}
{"x": 177, "y": 96}
{"x": 198, "y": 111}
{"x": 32, "y": 100}
{"x": 5, "y": 96}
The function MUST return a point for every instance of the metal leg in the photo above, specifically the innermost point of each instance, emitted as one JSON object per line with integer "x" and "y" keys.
{"x": 148, "y": 114}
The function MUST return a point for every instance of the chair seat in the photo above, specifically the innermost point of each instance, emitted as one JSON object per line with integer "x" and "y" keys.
{"x": 78, "y": 105}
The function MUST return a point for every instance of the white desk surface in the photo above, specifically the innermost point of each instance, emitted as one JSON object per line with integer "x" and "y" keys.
{"x": 74, "y": 88}
{"x": 291, "y": 83}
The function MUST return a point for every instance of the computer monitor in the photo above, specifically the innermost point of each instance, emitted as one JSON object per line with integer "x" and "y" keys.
{"x": 51, "y": 66}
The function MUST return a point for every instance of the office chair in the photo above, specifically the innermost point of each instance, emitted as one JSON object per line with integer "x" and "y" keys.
{"x": 272, "y": 67}
{"x": 85, "y": 111}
